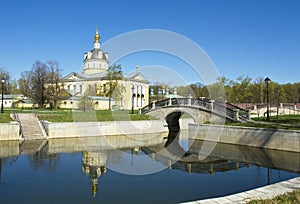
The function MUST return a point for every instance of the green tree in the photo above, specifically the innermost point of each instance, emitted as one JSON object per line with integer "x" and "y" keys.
{"x": 292, "y": 92}
{"x": 85, "y": 103}
{"x": 6, "y": 76}
{"x": 114, "y": 89}
{"x": 24, "y": 83}
{"x": 54, "y": 77}
{"x": 39, "y": 77}
{"x": 257, "y": 91}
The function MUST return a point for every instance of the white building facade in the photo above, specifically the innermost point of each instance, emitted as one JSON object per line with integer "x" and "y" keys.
{"x": 94, "y": 81}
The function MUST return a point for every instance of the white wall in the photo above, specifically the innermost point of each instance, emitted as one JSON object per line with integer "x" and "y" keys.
{"x": 287, "y": 140}
{"x": 9, "y": 131}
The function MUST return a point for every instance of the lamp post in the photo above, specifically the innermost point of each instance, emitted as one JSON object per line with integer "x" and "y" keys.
{"x": 267, "y": 80}
{"x": 84, "y": 102}
{"x": 132, "y": 99}
{"x": 109, "y": 96}
{"x": 22, "y": 97}
{"x": 2, "y": 82}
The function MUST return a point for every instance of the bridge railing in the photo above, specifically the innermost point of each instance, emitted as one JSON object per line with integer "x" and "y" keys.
{"x": 147, "y": 108}
{"x": 243, "y": 113}
{"x": 165, "y": 102}
{"x": 17, "y": 119}
{"x": 220, "y": 107}
{"x": 200, "y": 102}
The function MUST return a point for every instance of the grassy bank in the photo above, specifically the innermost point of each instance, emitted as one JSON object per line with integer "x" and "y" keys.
{"x": 90, "y": 116}
{"x": 288, "y": 122}
{"x": 292, "y": 197}
{"x": 5, "y": 117}
{"x": 287, "y": 119}
{"x": 66, "y": 115}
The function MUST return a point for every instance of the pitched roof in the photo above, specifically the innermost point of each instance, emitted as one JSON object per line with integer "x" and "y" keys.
{"x": 136, "y": 76}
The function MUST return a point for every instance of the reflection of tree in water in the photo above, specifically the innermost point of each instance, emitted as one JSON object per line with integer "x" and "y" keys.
{"x": 114, "y": 156}
{"x": 0, "y": 171}
{"x": 44, "y": 160}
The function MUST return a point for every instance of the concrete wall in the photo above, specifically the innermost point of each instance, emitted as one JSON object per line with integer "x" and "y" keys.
{"x": 288, "y": 140}
{"x": 9, "y": 131}
{"x": 84, "y": 129}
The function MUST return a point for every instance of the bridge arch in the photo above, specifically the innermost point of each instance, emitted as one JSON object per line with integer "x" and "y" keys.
{"x": 201, "y": 110}
{"x": 172, "y": 113}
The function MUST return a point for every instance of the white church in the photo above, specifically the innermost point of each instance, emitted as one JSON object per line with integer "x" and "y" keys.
{"x": 94, "y": 76}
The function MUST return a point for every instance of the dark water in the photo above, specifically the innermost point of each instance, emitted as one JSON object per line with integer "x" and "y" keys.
{"x": 62, "y": 171}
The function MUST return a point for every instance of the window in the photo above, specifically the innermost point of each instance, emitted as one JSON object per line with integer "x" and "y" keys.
{"x": 104, "y": 88}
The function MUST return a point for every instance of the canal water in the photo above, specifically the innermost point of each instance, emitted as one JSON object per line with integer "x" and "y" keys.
{"x": 87, "y": 170}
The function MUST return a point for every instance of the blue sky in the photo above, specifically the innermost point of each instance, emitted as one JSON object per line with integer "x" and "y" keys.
{"x": 251, "y": 38}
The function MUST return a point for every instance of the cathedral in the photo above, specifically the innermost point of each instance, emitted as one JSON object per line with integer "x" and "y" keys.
{"x": 94, "y": 83}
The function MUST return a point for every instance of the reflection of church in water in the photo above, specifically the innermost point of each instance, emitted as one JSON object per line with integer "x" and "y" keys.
{"x": 94, "y": 165}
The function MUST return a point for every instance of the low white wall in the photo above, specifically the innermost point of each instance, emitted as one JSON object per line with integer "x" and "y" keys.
{"x": 9, "y": 131}
{"x": 288, "y": 140}
{"x": 83, "y": 129}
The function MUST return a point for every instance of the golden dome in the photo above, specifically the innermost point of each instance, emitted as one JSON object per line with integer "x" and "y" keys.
{"x": 97, "y": 36}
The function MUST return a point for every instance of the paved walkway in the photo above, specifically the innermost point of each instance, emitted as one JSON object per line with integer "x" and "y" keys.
{"x": 31, "y": 129}
{"x": 265, "y": 192}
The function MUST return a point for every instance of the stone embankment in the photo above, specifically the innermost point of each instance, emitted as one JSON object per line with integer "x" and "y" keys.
{"x": 89, "y": 129}
{"x": 286, "y": 140}
{"x": 266, "y": 192}
{"x": 10, "y": 131}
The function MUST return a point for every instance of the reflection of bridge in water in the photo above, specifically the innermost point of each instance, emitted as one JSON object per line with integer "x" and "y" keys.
{"x": 158, "y": 148}
{"x": 191, "y": 163}
{"x": 98, "y": 152}
{"x": 226, "y": 157}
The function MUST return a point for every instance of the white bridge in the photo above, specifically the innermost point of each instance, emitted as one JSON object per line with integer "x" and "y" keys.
{"x": 201, "y": 110}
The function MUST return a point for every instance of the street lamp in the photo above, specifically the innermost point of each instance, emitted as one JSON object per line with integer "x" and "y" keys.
{"x": 2, "y": 81}
{"x": 267, "y": 80}
{"x": 84, "y": 102}
{"x": 22, "y": 101}
{"x": 132, "y": 99}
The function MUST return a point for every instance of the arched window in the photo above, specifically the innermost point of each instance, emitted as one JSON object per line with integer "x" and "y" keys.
{"x": 104, "y": 88}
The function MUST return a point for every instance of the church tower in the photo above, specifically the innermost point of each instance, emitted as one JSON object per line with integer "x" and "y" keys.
{"x": 95, "y": 61}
